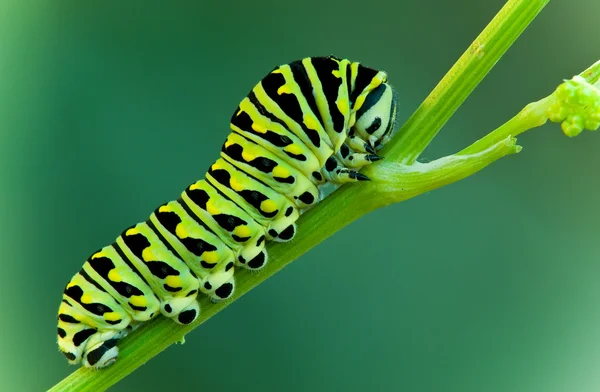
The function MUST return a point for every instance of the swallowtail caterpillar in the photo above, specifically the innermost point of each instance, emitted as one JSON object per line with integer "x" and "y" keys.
{"x": 314, "y": 121}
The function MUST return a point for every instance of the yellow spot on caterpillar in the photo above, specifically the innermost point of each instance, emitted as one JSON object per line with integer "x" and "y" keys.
{"x": 166, "y": 208}
{"x": 359, "y": 102}
{"x": 86, "y": 299}
{"x": 236, "y": 184}
{"x": 242, "y": 231}
{"x": 342, "y": 104}
{"x": 276, "y": 71}
{"x": 132, "y": 231}
{"x": 294, "y": 149}
{"x": 99, "y": 254}
{"x": 181, "y": 232}
{"x": 216, "y": 166}
{"x": 148, "y": 255}
{"x": 374, "y": 83}
{"x": 280, "y": 172}
{"x": 228, "y": 142}
{"x": 138, "y": 300}
{"x": 258, "y": 128}
{"x": 285, "y": 89}
{"x": 210, "y": 257}
{"x": 268, "y": 206}
{"x": 247, "y": 155}
{"x": 311, "y": 122}
{"x": 211, "y": 208}
{"x": 173, "y": 281}
{"x": 336, "y": 73}
{"x": 114, "y": 276}
{"x": 196, "y": 185}
{"x": 112, "y": 316}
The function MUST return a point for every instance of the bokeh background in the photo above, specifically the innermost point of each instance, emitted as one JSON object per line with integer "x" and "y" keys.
{"x": 491, "y": 284}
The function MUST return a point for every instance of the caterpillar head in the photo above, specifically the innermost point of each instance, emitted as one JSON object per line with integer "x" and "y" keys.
{"x": 376, "y": 118}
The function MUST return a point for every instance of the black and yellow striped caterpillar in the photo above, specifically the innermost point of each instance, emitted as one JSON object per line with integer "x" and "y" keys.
{"x": 310, "y": 122}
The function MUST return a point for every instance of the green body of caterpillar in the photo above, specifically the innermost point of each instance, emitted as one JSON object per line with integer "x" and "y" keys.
{"x": 306, "y": 123}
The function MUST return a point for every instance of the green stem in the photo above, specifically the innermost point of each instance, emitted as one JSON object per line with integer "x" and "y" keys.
{"x": 416, "y": 134}
{"x": 393, "y": 181}
{"x": 533, "y": 115}
{"x": 592, "y": 74}
{"x": 397, "y": 182}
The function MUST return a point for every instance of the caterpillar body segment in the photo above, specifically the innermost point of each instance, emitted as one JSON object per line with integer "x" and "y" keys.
{"x": 306, "y": 124}
{"x": 277, "y": 174}
{"x": 234, "y": 226}
{"x": 113, "y": 274}
{"x": 203, "y": 252}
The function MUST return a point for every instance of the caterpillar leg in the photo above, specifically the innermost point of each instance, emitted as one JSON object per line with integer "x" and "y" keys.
{"x": 286, "y": 234}
{"x": 337, "y": 173}
{"x": 355, "y": 160}
{"x": 356, "y": 143}
{"x": 181, "y": 310}
{"x": 189, "y": 314}
{"x": 258, "y": 255}
{"x": 223, "y": 291}
{"x": 220, "y": 284}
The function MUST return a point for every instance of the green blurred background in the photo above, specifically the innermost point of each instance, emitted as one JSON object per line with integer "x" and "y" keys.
{"x": 491, "y": 284}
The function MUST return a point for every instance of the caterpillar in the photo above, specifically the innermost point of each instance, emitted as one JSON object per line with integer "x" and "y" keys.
{"x": 305, "y": 124}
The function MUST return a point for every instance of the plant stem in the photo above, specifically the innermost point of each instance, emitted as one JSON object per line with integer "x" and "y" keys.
{"x": 531, "y": 116}
{"x": 393, "y": 180}
{"x": 592, "y": 74}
